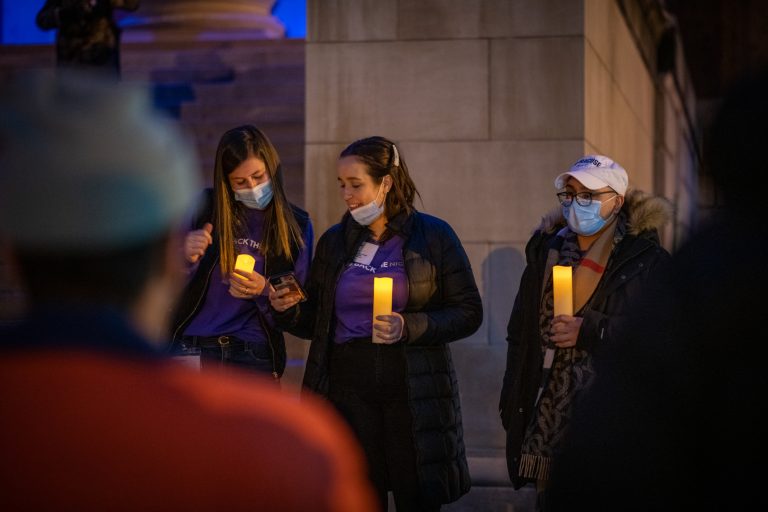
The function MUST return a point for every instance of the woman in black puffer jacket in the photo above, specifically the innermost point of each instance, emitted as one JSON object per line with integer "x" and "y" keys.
{"x": 399, "y": 392}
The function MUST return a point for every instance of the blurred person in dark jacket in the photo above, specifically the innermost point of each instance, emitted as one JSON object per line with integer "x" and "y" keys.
{"x": 676, "y": 419}
{"x": 93, "y": 189}
{"x": 87, "y": 32}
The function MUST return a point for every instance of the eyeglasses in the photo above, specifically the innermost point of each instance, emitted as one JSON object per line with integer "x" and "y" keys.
{"x": 582, "y": 198}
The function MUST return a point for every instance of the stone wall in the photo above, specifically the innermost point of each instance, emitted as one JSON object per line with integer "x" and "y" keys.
{"x": 638, "y": 104}
{"x": 619, "y": 93}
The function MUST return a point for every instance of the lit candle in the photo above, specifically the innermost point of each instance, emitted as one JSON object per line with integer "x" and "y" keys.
{"x": 562, "y": 282}
{"x": 382, "y": 301}
{"x": 245, "y": 262}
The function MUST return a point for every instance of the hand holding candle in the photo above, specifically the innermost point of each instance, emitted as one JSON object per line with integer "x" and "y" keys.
{"x": 245, "y": 262}
{"x": 562, "y": 284}
{"x": 244, "y": 283}
{"x": 565, "y": 327}
{"x": 382, "y": 302}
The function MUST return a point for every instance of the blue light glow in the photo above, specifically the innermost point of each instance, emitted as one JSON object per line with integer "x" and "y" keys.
{"x": 18, "y": 21}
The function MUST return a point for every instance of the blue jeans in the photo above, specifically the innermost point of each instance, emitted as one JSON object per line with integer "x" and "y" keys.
{"x": 249, "y": 357}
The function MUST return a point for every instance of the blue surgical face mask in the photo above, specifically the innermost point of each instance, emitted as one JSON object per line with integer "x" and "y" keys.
{"x": 585, "y": 220}
{"x": 257, "y": 197}
{"x": 366, "y": 214}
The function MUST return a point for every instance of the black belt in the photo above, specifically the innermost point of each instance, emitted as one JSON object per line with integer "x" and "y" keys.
{"x": 216, "y": 342}
{"x": 363, "y": 339}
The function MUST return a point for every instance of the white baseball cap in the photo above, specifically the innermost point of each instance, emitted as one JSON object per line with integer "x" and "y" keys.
{"x": 595, "y": 172}
{"x": 89, "y": 164}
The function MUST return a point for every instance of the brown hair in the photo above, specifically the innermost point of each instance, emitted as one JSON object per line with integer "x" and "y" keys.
{"x": 381, "y": 157}
{"x": 282, "y": 229}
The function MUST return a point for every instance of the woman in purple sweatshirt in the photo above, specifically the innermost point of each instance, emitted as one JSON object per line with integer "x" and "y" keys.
{"x": 225, "y": 312}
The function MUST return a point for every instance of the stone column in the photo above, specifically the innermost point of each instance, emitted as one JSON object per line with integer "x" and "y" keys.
{"x": 202, "y": 20}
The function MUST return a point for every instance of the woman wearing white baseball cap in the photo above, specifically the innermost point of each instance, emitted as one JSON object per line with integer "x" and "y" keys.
{"x": 610, "y": 239}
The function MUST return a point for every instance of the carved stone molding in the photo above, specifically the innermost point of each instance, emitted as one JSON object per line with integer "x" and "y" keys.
{"x": 202, "y": 20}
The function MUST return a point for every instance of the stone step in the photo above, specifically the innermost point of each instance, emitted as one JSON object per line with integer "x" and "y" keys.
{"x": 288, "y": 158}
{"x": 293, "y": 168}
{"x": 488, "y": 467}
{"x": 143, "y": 56}
{"x": 227, "y": 110}
{"x": 188, "y": 75}
{"x": 15, "y": 59}
{"x": 287, "y": 72}
{"x": 282, "y": 92}
{"x": 491, "y": 489}
{"x": 232, "y": 48}
{"x": 204, "y": 72}
{"x": 214, "y": 72}
{"x": 207, "y": 132}
{"x": 495, "y": 499}
{"x": 139, "y": 59}
{"x": 292, "y": 148}
{"x": 26, "y": 55}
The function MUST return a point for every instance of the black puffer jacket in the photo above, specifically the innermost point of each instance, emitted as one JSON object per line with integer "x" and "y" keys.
{"x": 635, "y": 265}
{"x": 443, "y": 306}
{"x": 197, "y": 287}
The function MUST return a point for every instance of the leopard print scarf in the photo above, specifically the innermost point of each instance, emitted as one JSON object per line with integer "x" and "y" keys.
{"x": 565, "y": 373}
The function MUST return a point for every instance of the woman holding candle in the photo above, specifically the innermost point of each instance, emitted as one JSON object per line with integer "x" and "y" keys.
{"x": 224, "y": 310}
{"x": 392, "y": 378}
{"x": 602, "y": 249}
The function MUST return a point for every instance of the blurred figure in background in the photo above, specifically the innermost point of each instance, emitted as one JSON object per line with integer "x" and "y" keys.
{"x": 87, "y": 32}
{"x": 93, "y": 186}
{"x": 676, "y": 418}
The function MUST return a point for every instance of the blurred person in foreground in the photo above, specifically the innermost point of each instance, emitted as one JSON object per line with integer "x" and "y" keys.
{"x": 94, "y": 417}
{"x": 676, "y": 419}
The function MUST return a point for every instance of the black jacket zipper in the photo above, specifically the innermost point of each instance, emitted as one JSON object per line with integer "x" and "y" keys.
{"x": 266, "y": 327}
{"x": 197, "y": 304}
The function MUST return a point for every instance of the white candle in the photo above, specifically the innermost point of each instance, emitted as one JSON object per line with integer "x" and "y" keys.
{"x": 562, "y": 283}
{"x": 382, "y": 301}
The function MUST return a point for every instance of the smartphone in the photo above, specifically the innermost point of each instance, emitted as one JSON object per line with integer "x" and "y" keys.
{"x": 288, "y": 280}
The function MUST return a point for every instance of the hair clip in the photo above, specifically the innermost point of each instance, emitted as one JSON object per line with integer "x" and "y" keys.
{"x": 395, "y": 157}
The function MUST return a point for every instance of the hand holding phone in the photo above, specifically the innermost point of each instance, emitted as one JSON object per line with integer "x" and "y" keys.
{"x": 288, "y": 281}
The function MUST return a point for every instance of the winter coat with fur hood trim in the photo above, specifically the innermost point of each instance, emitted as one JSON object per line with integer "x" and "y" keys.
{"x": 637, "y": 270}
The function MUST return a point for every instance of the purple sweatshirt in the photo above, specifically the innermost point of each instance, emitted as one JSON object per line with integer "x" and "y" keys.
{"x": 221, "y": 313}
{"x": 354, "y": 292}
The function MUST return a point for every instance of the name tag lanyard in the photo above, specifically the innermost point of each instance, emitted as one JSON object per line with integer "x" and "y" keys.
{"x": 366, "y": 253}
